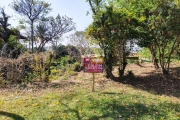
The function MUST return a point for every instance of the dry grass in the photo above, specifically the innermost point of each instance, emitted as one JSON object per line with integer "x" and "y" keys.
{"x": 148, "y": 95}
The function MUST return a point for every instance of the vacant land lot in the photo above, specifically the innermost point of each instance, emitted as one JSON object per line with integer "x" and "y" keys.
{"x": 146, "y": 96}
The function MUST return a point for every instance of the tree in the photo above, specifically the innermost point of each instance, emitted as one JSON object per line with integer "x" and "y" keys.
{"x": 101, "y": 32}
{"x": 53, "y": 29}
{"x": 154, "y": 23}
{"x": 145, "y": 35}
{"x": 74, "y": 54}
{"x": 60, "y": 50}
{"x": 9, "y": 37}
{"x": 32, "y": 10}
{"x": 69, "y": 50}
{"x": 167, "y": 30}
{"x": 161, "y": 30}
{"x": 81, "y": 42}
{"x": 5, "y": 32}
{"x": 113, "y": 27}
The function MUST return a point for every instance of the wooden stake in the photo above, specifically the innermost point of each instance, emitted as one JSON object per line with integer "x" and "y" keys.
{"x": 93, "y": 83}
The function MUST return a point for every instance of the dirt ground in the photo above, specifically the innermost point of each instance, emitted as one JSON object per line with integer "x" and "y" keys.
{"x": 144, "y": 77}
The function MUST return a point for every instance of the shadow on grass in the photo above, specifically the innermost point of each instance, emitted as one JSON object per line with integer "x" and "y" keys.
{"x": 72, "y": 110}
{"x": 111, "y": 107}
{"x": 156, "y": 83}
{"x": 105, "y": 111}
{"x": 11, "y": 115}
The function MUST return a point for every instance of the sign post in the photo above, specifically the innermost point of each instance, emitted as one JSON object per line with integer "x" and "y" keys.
{"x": 93, "y": 83}
{"x": 93, "y": 65}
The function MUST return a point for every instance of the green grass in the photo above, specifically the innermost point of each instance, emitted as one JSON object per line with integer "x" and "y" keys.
{"x": 77, "y": 102}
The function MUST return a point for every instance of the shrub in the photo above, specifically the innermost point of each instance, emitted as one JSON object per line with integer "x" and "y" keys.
{"x": 28, "y": 67}
{"x": 64, "y": 62}
{"x": 41, "y": 65}
{"x": 12, "y": 70}
{"x": 77, "y": 67}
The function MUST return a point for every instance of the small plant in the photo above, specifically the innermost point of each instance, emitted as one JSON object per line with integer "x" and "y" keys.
{"x": 76, "y": 67}
{"x": 54, "y": 71}
{"x": 30, "y": 77}
{"x": 64, "y": 62}
{"x": 64, "y": 77}
{"x": 53, "y": 77}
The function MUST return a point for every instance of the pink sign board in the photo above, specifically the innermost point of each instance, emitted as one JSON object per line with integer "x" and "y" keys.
{"x": 93, "y": 64}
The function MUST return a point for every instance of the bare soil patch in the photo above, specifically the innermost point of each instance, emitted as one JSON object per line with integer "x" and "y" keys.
{"x": 145, "y": 78}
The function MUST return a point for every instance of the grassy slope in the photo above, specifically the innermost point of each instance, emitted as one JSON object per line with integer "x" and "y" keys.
{"x": 77, "y": 102}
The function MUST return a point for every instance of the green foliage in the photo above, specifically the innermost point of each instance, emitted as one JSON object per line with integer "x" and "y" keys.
{"x": 14, "y": 44}
{"x": 53, "y": 77}
{"x": 155, "y": 24}
{"x": 60, "y": 50}
{"x": 62, "y": 69}
{"x": 56, "y": 73}
{"x": 76, "y": 66}
{"x": 71, "y": 51}
{"x": 64, "y": 62}
{"x": 144, "y": 52}
{"x": 68, "y": 69}
{"x": 159, "y": 29}
{"x": 112, "y": 28}
{"x": 30, "y": 77}
{"x": 40, "y": 66}
{"x": 129, "y": 61}
{"x": 98, "y": 51}
{"x": 9, "y": 36}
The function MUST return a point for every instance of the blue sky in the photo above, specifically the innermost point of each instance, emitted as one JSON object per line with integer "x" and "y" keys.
{"x": 75, "y": 9}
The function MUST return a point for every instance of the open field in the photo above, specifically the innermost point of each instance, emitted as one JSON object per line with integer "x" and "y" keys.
{"x": 149, "y": 96}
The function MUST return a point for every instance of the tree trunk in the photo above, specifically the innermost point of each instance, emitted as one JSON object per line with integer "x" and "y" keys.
{"x": 32, "y": 35}
{"x": 123, "y": 62}
{"x": 154, "y": 59}
{"x": 108, "y": 65}
{"x": 169, "y": 61}
{"x": 165, "y": 72}
{"x": 162, "y": 63}
{"x": 121, "y": 71}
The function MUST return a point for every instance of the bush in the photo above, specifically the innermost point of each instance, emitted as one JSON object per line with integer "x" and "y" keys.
{"x": 12, "y": 70}
{"x": 64, "y": 62}
{"x": 77, "y": 67}
{"x": 27, "y": 68}
{"x": 32, "y": 67}
{"x": 41, "y": 65}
